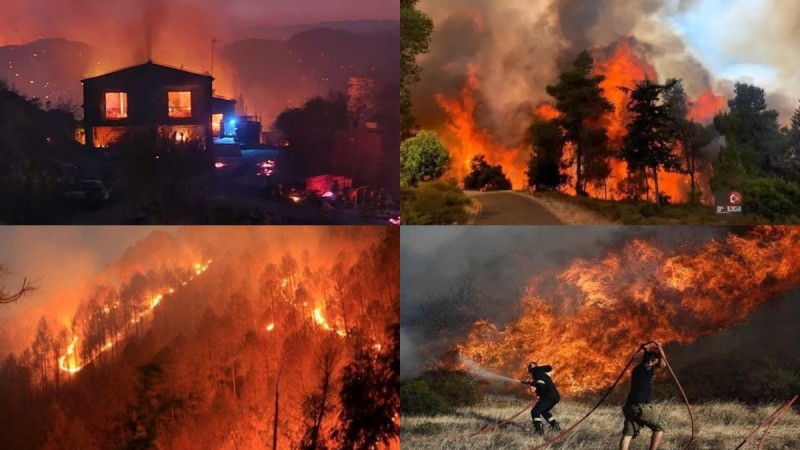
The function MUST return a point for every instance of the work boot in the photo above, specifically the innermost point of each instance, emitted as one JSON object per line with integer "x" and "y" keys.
{"x": 539, "y": 429}
{"x": 554, "y": 425}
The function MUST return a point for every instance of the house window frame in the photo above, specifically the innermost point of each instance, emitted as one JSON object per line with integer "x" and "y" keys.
{"x": 189, "y": 107}
{"x": 124, "y": 108}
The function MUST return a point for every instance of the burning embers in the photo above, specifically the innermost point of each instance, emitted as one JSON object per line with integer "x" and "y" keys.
{"x": 623, "y": 67}
{"x": 590, "y": 314}
{"x": 70, "y": 362}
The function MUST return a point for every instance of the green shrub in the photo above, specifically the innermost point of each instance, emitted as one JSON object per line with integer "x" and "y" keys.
{"x": 423, "y": 157}
{"x": 457, "y": 388}
{"x": 772, "y": 198}
{"x": 416, "y": 397}
{"x": 433, "y": 203}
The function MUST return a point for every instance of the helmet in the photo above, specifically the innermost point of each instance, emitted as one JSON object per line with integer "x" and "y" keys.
{"x": 531, "y": 365}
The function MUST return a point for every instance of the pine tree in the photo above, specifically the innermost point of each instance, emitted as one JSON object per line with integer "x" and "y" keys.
{"x": 581, "y": 102}
{"x": 648, "y": 144}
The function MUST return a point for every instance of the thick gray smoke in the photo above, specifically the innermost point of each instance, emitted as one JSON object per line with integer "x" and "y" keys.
{"x": 517, "y": 47}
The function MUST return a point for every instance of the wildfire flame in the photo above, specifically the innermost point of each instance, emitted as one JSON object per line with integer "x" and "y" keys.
{"x": 587, "y": 318}
{"x": 465, "y": 139}
{"x": 319, "y": 319}
{"x": 622, "y": 68}
{"x": 69, "y": 363}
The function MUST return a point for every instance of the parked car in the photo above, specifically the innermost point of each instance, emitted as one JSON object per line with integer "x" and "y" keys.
{"x": 89, "y": 191}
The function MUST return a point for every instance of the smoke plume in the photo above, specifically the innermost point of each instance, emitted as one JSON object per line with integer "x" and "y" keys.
{"x": 513, "y": 49}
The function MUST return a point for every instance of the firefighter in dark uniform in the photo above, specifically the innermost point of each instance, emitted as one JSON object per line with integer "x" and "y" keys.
{"x": 548, "y": 397}
{"x": 637, "y": 409}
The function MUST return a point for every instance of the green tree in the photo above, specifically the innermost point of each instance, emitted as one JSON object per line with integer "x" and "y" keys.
{"x": 750, "y": 124}
{"x": 731, "y": 166}
{"x": 651, "y": 133}
{"x": 485, "y": 176}
{"x": 422, "y": 158}
{"x": 415, "y": 37}
{"x": 794, "y": 128}
{"x": 580, "y": 100}
{"x": 545, "y": 168}
{"x": 792, "y": 159}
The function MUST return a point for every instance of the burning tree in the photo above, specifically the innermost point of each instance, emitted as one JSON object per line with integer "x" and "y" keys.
{"x": 581, "y": 103}
{"x": 485, "y": 176}
{"x": 651, "y": 134}
{"x": 691, "y": 136}
{"x": 252, "y": 351}
{"x": 546, "y": 169}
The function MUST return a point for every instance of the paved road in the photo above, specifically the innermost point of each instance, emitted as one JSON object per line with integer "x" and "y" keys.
{"x": 511, "y": 208}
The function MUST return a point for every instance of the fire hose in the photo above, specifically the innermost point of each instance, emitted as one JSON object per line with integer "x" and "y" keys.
{"x": 492, "y": 427}
{"x": 488, "y": 428}
{"x": 772, "y": 418}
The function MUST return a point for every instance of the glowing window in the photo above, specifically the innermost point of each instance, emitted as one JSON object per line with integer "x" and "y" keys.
{"x": 180, "y": 104}
{"x": 116, "y": 105}
{"x": 216, "y": 124}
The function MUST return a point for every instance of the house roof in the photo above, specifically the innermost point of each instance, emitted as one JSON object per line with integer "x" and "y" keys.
{"x": 149, "y": 65}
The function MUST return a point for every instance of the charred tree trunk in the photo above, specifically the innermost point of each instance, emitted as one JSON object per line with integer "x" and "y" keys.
{"x": 275, "y": 420}
{"x": 690, "y": 164}
{"x": 655, "y": 179}
{"x": 579, "y": 165}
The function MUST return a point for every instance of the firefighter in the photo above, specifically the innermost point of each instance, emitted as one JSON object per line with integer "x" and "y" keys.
{"x": 637, "y": 410}
{"x": 548, "y": 397}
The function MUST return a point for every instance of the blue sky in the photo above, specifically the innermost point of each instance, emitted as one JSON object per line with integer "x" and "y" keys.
{"x": 714, "y": 28}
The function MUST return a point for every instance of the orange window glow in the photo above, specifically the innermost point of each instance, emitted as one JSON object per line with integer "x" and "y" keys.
{"x": 180, "y": 104}
{"x": 116, "y": 105}
{"x": 216, "y": 123}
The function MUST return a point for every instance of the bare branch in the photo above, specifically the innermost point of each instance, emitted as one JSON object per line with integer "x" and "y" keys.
{"x": 11, "y": 297}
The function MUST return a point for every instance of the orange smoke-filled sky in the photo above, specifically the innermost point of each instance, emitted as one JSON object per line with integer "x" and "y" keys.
{"x": 102, "y": 22}
{"x": 60, "y": 260}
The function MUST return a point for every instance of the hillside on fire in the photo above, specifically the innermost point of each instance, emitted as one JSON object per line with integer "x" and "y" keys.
{"x": 482, "y": 309}
{"x": 202, "y": 338}
{"x": 599, "y": 121}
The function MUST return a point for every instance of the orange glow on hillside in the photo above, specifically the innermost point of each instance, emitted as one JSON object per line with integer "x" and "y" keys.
{"x": 69, "y": 361}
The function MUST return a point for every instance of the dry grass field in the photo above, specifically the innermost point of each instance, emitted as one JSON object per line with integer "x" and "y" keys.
{"x": 720, "y": 426}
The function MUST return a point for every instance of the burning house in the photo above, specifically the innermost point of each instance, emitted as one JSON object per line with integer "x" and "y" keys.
{"x": 153, "y": 96}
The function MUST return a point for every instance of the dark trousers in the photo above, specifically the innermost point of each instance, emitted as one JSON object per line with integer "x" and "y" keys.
{"x": 543, "y": 407}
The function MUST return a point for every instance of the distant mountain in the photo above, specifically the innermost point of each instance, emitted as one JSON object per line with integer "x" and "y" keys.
{"x": 280, "y": 33}
{"x": 274, "y": 75}
{"x": 48, "y": 69}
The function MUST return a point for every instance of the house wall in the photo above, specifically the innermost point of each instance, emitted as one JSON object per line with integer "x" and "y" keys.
{"x": 147, "y": 88}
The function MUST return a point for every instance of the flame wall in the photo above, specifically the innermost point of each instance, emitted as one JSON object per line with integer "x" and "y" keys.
{"x": 490, "y": 62}
{"x": 587, "y": 318}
